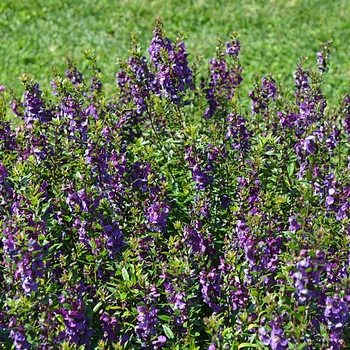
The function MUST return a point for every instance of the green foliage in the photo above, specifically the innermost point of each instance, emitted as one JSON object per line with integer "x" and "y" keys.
{"x": 168, "y": 216}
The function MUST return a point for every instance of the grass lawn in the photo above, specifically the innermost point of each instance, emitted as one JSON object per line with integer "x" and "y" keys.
{"x": 37, "y": 35}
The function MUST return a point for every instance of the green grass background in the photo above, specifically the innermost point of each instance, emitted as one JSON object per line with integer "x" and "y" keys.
{"x": 36, "y": 35}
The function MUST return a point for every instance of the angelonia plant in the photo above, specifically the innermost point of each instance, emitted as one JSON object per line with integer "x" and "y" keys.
{"x": 169, "y": 215}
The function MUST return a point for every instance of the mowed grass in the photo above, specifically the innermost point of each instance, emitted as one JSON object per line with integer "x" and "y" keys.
{"x": 37, "y": 35}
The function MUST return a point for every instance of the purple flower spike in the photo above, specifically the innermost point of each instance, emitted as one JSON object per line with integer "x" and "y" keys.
{"x": 293, "y": 224}
{"x": 310, "y": 145}
{"x": 148, "y": 318}
{"x": 156, "y": 216}
{"x": 233, "y": 48}
{"x": 277, "y": 341}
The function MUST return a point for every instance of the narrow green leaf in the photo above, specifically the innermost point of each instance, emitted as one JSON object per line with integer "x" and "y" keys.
{"x": 97, "y": 306}
{"x": 168, "y": 332}
{"x": 253, "y": 325}
{"x": 247, "y": 345}
{"x": 125, "y": 274}
{"x": 165, "y": 318}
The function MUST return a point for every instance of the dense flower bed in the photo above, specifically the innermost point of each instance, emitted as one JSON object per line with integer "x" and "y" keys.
{"x": 169, "y": 218}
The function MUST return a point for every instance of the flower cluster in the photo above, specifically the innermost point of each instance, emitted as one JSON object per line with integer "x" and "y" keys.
{"x": 307, "y": 276}
{"x": 337, "y": 316}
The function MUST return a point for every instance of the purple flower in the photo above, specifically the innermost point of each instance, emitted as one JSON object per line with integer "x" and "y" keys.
{"x": 34, "y": 106}
{"x": 156, "y": 216}
{"x": 77, "y": 329}
{"x": 238, "y": 132}
{"x": 159, "y": 342}
{"x": 264, "y": 336}
{"x": 337, "y": 317}
{"x": 172, "y": 73}
{"x": 195, "y": 240}
{"x": 277, "y": 341}
{"x": 311, "y": 103}
{"x": 115, "y": 240}
{"x": 310, "y": 145}
{"x": 136, "y": 82}
{"x": 3, "y": 173}
{"x": 262, "y": 94}
{"x": 275, "y": 338}
{"x": 336, "y": 312}
{"x": 223, "y": 83}
{"x": 74, "y": 75}
{"x": 148, "y": 318}
{"x": 307, "y": 276}
{"x": 110, "y": 326}
{"x": 211, "y": 289}
{"x": 233, "y": 48}
{"x": 7, "y": 137}
{"x": 19, "y": 340}
{"x": 293, "y": 224}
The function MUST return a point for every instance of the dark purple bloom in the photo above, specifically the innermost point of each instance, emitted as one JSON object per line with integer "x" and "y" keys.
{"x": 277, "y": 341}
{"x": 223, "y": 83}
{"x": 238, "y": 132}
{"x": 7, "y": 137}
{"x": 19, "y": 340}
{"x": 307, "y": 276}
{"x": 262, "y": 95}
{"x": 310, "y": 145}
{"x": 3, "y": 173}
{"x": 172, "y": 73}
{"x": 34, "y": 106}
{"x": 233, "y": 48}
{"x": 74, "y": 75}
{"x": 336, "y": 312}
{"x": 337, "y": 316}
{"x": 137, "y": 82}
{"x": 115, "y": 240}
{"x": 274, "y": 338}
{"x": 293, "y": 224}
{"x": 77, "y": 329}
{"x": 110, "y": 326}
{"x": 159, "y": 342}
{"x": 148, "y": 318}
{"x": 264, "y": 336}
{"x": 156, "y": 216}
{"x": 211, "y": 289}
{"x": 195, "y": 240}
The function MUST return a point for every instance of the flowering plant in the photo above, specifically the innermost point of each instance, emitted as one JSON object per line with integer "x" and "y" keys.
{"x": 169, "y": 216}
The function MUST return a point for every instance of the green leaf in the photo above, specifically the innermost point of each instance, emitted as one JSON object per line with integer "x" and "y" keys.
{"x": 247, "y": 345}
{"x": 97, "y": 306}
{"x": 254, "y": 293}
{"x": 168, "y": 332}
{"x": 290, "y": 169}
{"x": 253, "y": 325}
{"x": 125, "y": 274}
{"x": 308, "y": 175}
{"x": 164, "y": 317}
